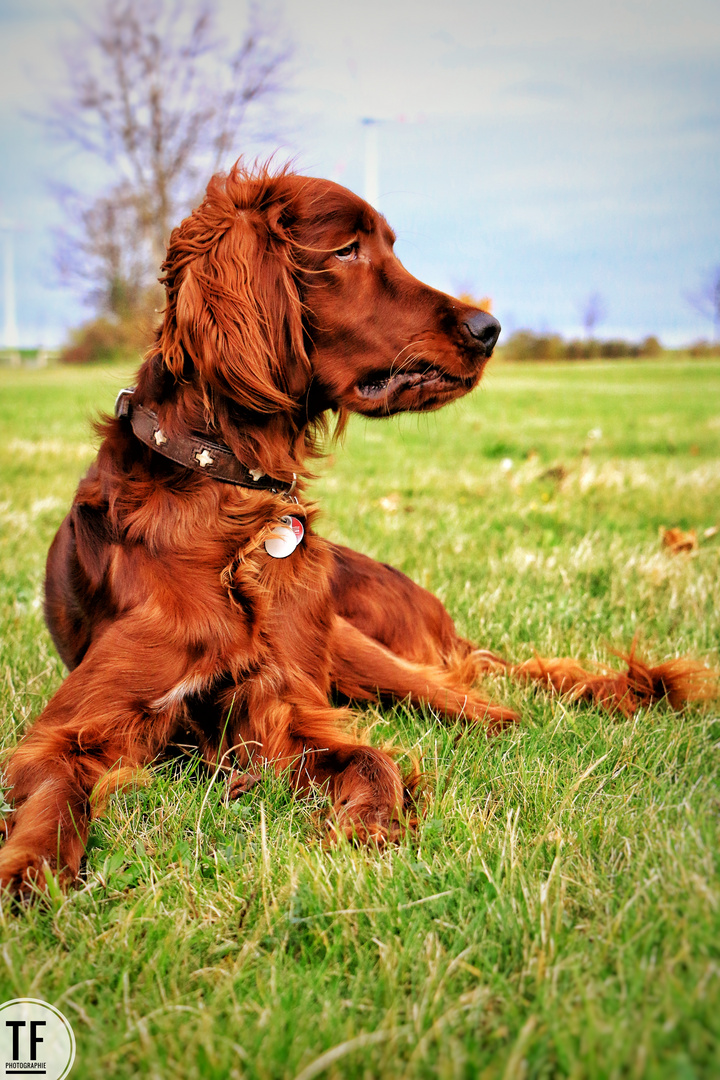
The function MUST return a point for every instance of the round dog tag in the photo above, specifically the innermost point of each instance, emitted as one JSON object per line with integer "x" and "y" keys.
{"x": 285, "y": 537}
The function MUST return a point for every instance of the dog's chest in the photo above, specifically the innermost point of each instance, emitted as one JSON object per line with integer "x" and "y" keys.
{"x": 293, "y": 612}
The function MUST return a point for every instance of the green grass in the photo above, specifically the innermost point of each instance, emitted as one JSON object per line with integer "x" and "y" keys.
{"x": 558, "y": 912}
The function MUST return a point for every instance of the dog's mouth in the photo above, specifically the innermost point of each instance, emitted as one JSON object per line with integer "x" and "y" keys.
{"x": 430, "y": 378}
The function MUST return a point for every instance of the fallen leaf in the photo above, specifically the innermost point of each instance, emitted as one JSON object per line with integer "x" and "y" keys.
{"x": 555, "y": 472}
{"x": 677, "y": 541}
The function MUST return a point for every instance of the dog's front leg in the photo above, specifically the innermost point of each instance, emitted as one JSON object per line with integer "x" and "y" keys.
{"x": 114, "y": 711}
{"x": 299, "y": 735}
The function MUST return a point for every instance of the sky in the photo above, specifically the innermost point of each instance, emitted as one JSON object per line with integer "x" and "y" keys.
{"x": 533, "y": 153}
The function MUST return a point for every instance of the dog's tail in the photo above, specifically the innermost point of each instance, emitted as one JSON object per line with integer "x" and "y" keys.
{"x": 678, "y": 682}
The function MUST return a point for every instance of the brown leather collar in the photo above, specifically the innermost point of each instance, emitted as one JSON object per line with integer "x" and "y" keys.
{"x": 192, "y": 452}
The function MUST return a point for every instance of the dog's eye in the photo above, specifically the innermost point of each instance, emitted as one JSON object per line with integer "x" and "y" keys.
{"x": 347, "y": 253}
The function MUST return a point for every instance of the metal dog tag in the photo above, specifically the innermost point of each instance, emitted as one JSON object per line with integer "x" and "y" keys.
{"x": 285, "y": 537}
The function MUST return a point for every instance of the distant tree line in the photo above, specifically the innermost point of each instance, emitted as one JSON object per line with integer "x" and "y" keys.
{"x": 528, "y": 345}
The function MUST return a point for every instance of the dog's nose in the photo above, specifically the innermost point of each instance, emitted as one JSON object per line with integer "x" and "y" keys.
{"x": 484, "y": 330}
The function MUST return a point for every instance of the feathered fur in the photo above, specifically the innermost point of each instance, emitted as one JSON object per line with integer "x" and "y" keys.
{"x": 285, "y": 303}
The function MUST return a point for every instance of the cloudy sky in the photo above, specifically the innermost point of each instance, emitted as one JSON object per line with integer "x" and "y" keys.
{"x": 536, "y": 153}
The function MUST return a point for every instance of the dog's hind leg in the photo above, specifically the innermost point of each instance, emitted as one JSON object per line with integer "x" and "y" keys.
{"x": 389, "y": 607}
{"x": 392, "y": 611}
{"x": 365, "y": 670}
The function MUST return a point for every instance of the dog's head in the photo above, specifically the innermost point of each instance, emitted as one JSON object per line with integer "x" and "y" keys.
{"x": 380, "y": 341}
{"x": 285, "y": 294}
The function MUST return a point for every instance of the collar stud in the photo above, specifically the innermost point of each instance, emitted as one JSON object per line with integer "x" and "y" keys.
{"x": 203, "y": 458}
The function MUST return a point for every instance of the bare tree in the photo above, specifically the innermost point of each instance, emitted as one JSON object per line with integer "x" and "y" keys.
{"x": 592, "y": 311}
{"x": 706, "y": 300}
{"x": 159, "y": 101}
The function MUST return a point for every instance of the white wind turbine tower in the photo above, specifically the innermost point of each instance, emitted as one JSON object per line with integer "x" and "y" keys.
{"x": 372, "y": 161}
{"x": 11, "y": 337}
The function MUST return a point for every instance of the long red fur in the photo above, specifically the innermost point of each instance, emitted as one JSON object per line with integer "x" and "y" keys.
{"x": 177, "y": 626}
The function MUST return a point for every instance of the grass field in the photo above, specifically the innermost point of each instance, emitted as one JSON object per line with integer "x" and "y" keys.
{"x": 557, "y": 914}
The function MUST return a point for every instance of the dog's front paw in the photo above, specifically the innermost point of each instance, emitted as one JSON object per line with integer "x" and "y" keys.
{"x": 24, "y": 874}
{"x": 375, "y": 825}
{"x": 239, "y": 783}
{"x": 373, "y": 833}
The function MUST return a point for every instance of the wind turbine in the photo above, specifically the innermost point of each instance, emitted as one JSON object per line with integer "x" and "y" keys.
{"x": 11, "y": 337}
{"x": 372, "y": 161}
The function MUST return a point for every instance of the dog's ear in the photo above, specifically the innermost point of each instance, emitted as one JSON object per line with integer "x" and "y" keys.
{"x": 233, "y": 306}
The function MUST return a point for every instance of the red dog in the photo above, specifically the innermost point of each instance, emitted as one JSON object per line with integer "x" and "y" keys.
{"x": 187, "y": 590}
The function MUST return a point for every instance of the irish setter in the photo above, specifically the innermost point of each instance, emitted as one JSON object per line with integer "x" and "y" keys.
{"x": 187, "y": 590}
